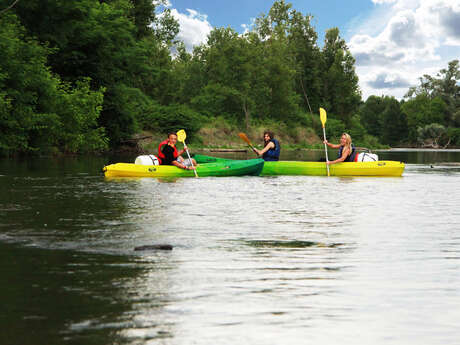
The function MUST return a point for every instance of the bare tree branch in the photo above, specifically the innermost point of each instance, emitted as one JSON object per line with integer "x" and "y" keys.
{"x": 305, "y": 95}
{"x": 9, "y": 7}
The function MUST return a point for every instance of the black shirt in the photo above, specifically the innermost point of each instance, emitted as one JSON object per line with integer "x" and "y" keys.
{"x": 168, "y": 151}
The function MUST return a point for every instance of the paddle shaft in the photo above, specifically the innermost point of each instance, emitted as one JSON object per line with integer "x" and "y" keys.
{"x": 325, "y": 149}
{"x": 188, "y": 154}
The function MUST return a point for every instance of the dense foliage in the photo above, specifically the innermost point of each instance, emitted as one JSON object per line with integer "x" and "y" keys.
{"x": 429, "y": 116}
{"x": 38, "y": 111}
{"x": 83, "y": 76}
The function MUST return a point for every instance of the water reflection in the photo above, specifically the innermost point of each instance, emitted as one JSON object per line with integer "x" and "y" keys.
{"x": 254, "y": 260}
{"x": 72, "y": 297}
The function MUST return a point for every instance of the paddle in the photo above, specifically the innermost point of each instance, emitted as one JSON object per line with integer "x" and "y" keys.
{"x": 323, "y": 117}
{"x": 246, "y": 139}
{"x": 181, "y": 135}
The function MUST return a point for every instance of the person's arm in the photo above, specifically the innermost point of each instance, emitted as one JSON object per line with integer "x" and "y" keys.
{"x": 334, "y": 146}
{"x": 270, "y": 145}
{"x": 181, "y": 151}
{"x": 344, "y": 156}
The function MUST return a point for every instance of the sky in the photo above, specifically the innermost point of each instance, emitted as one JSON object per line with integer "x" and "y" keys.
{"x": 394, "y": 42}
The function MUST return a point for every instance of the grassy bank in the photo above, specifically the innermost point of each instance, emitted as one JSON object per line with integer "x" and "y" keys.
{"x": 218, "y": 133}
{"x": 221, "y": 134}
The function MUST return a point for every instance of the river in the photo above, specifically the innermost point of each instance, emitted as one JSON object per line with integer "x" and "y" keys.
{"x": 255, "y": 260}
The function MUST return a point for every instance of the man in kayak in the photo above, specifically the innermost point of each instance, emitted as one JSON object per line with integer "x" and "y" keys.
{"x": 168, "y": 154}
{"x": 272, "y": 148}
{"x": 347, "y": 151}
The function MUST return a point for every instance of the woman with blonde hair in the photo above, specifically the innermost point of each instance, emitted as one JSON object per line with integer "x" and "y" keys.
{"x": 347, "y": 152}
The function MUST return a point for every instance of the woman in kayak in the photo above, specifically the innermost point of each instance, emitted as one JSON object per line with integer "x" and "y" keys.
{"x": 347, "y": 152}
{"x": 272, "y": 148}
{"x": 168, "y": 154}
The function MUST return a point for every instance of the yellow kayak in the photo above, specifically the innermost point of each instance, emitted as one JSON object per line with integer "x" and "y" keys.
{"x": 376, "y": 168}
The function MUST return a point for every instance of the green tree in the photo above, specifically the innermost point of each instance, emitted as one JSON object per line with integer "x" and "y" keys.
{"x": 307, "y": 59}
{"x": 394, "y": 123}
{"x": 334, "y": 128}
{"x": 148, "y": 22}
{"x": 433, "y": 135}
{"x": 115, "y": 43}
{"x": 357, "y": 130}
{"x": 370, "y": 114}
{"x": 422, "y": 111}
{"x": 226, "y": 65}
{"x": 37, "y": 110}
{"x": 282, "y": 102}
{"x": 382, "y": 117}
{"x": 78, "y": 109}
{"x": 341, "y": 90}
{"x": 446, "y": 86}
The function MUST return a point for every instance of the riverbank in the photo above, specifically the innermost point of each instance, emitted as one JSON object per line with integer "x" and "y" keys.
{"x": 221, "y": 135}
{"x": 215, "y": 140}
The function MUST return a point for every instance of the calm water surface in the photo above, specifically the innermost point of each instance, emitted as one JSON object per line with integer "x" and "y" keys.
{"x": 272, "y": 260}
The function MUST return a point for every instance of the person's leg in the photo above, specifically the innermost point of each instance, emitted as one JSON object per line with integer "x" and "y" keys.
{"x": 187, "y": 162}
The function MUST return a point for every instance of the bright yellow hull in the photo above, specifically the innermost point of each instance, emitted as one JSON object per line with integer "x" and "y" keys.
{"x": 378, "y": 168}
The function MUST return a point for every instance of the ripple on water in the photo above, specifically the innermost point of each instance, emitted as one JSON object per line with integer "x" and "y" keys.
{"x": 255, "y": 260}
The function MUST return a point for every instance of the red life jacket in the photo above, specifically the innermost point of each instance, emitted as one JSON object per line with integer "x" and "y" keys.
{"x": 160, "y": 150}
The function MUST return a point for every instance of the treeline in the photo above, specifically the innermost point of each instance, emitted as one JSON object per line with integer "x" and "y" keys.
{"x": 428, "y": 116}
{"x": 78, "y": 76}
{"x": 83, "y": 76}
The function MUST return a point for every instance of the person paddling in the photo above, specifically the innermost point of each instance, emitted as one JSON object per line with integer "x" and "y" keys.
{"x": 272, "y": 148}
{"x": 169, "y": 155}
{"x": 347, "y": 151}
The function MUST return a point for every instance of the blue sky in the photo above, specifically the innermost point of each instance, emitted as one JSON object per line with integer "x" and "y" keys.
{"x": 327, "y": 13}
{"x": 394, "y": 41}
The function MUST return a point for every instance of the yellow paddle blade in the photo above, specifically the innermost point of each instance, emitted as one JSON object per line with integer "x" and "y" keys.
{"x": 181, "y": 135}
{"x": 322, "y": 116}
{"x": 245, "y": 138}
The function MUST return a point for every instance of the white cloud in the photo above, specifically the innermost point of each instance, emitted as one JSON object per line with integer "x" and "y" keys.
{"x": 194, "y": 27}
{"x": 412, "y": 40}
{"x": 383, "y": 1}
{"x": 444, "y": 18}
{"x": 248, "y": 27}
{"x": 165, "y": 3}
{"x": 383, "y": 80}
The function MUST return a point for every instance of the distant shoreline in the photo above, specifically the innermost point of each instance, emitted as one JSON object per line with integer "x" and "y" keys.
{"x": 408, "y": 149}
{"x": 395, "y": 149}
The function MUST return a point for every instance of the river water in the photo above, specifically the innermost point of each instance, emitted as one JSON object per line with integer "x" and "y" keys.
{"x": 255, "y": 260}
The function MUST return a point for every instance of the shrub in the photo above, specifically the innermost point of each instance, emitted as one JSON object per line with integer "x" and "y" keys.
{"x": 432, "y": 135}
{"x": 454, "y": 136}
{"x": 357, "y": 130}
{"x": 334, "y": 128}
{"x": 172, "y": 118}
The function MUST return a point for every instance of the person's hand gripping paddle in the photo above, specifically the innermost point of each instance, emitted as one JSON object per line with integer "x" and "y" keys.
{"x": 246, "y": 139}
{"x": 181, "y": 136}
{"x": 323, "y": 117}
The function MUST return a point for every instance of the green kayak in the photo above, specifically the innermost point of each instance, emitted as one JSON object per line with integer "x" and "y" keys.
{"x": 216, "y": 168}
